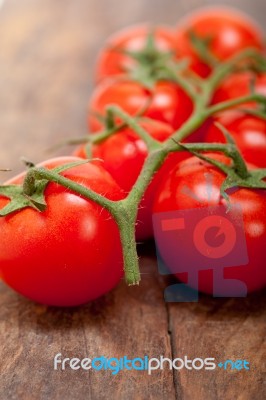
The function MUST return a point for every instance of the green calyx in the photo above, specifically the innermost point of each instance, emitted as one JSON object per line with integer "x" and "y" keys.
{"x": 31, "y": 193}
{"x": 253, "y": 179}
{"x": 254, "y": 61}
{"x": 202, "y": 47}
{"x": 150, "y": 63}
{"x": 237, "y": 173}
{"x": 259, "y": 113}
{"x": 124, "y": 212}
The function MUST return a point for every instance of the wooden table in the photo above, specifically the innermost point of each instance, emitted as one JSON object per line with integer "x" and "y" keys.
{"x": 46, "y": 66}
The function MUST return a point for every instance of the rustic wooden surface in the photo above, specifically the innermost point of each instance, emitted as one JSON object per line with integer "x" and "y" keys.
{"x": 46, "y": 66}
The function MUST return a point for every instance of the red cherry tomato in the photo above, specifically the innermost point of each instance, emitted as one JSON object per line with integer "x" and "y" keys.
{"x": 124, "y": 154}
{"x": 228, "y": 31}
{"x": 249, "y": 133}
{"x": 112, "y": 61}
{"x": 70, "y": 253}
{"x": 167, "y": 102}
{"x": 239, "y": 85}
{"x": 188, "y": 187}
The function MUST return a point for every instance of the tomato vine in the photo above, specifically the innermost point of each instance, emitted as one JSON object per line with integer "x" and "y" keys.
{"x": 125, "y": 211}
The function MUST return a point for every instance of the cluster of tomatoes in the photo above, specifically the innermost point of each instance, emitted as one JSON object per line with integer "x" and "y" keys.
{"x": 71, "y": 253}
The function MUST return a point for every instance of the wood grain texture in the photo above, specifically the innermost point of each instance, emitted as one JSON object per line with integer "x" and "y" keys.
{"x": 46, "y": 75}
{"x": 226, "y": 329}
{"x": 130, "y": 322}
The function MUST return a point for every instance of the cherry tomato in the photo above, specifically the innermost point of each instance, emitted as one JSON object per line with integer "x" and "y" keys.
{"x": 226, "y": 31}
{"x": 123, "y": 156}
{"x": 188, "y": 187}
{"x": 125, "y": 152}
{"x": 167, "y": 102}
{"x": 239, "y": 85}
{"x": 249, "y": 133}
{"x": 69, "y": 254}
{"x": 112, "y": 61}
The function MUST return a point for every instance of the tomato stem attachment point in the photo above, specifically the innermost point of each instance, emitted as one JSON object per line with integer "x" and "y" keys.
{"x": 131, "y": 122}
{"x": 125, "y": 211}
{"x": 124, "y": 217}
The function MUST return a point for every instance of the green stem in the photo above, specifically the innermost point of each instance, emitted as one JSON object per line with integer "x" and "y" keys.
{"x": 42, "y": 173}
{"x": 94, "y": 138}
{"x": 97, "y": 138}
{"x": 225, "y": 105}
{"x": 152, "y": 164}
{"x": 124, "y": 217}
{"x": 110, "y": 120}
{"x": 194, "y": 122}
{"x": 151, "y": 143}
{"x": 126, "y": 221}
{"x": 206, "y": 147}
{"x": 229, "y": 150}
{"x": 240, "y": 165}
{"x": 224, "y": 69}
{"x": 125, "y": 211}
{"x": 201, "y": 47}
{"x": 185, "y": 84}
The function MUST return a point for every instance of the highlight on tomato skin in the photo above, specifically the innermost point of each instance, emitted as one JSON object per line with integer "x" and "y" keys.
{"x": 248, "y": 131}
{"x": 238, "y": 85}
{"x": 166, "y": 102}
{"x": 125, "y": 151}
{"x": 225, "y": 31}
{"x": 123, "y": 155}
{"x": 112, "y": 60}
{"x": 191, "y": 174}
{"x": 69, "y": 254}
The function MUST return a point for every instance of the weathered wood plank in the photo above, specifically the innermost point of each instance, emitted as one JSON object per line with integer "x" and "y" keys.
{"x": 46, "y": 74}
{"x": 128, "y": 321}
{"x": 223, "y": 329}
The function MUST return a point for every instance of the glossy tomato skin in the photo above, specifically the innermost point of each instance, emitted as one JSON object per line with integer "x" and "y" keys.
{"x": 238, "y": 85}
{"x": 124, "y": 153}
{"x": 123, "y": 156}
{"x": 112, "y": 61}
{"x": 249, "y": 133}
{"x": 69, "y": 254}
{"x": 167, "y": 102}
{"x": 229, "y": 31}
{"x": 191, "y": 174}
